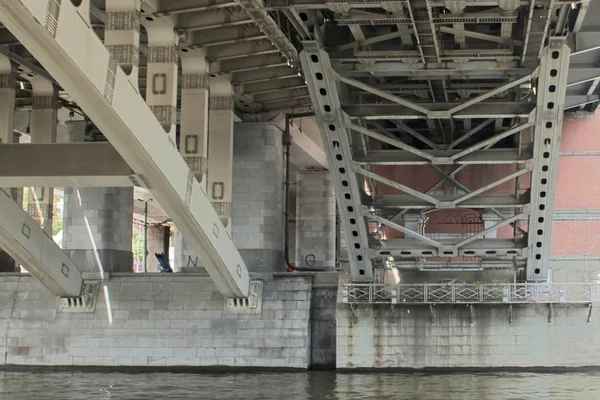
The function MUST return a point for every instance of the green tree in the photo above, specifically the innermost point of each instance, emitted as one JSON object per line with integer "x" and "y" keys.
{"x": 137, "y": 244}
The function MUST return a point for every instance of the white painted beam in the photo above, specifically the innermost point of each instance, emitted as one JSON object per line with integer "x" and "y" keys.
{"x": 23, "y": 239}
{"x": 62, "y": 41}
{"x": 300, "y": 129}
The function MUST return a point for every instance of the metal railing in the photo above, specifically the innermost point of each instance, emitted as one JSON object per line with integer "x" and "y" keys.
{"x": 513, "y": 293}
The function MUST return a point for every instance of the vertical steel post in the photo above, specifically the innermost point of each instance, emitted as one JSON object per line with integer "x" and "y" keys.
{"x": 551, "y": 91}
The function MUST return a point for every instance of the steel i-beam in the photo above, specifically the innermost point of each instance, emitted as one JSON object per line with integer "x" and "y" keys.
{"x": 61, "y": 38}
{"x": 336, "y": 143}
{"x": 551, "y": 91}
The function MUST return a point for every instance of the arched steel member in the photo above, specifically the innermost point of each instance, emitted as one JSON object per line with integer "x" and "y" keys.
{"x": 57, "y": 34}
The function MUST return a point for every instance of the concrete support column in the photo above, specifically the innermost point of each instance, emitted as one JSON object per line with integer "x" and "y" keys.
{"x": 412, "y": 221}
{"x": 257, "y": 209}
{"x": 490, "y": 219}
{"x": 122, "y": 35}
{"x": 43, "y": 123}
{"x": 193, "y": 142}
{"x": 98, "y": 224}
{"x": 220, "y": 147}
{"x": 156, "y": 235}
{"x": 315, "y": 220}
{"x": 7, "y": 113}
{"x": 162, "y": 78}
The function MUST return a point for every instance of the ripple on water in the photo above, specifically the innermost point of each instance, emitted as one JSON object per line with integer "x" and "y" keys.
{"x": 300, "y": 386}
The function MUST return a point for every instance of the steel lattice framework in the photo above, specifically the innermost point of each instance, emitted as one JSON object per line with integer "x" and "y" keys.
{"x": 471, "y": 91}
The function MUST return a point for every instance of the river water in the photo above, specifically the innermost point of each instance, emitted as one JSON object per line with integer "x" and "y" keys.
{"x": 301, "y": 386}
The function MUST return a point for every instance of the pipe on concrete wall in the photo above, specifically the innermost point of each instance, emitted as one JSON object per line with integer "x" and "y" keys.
{"x": 287, "y": 141}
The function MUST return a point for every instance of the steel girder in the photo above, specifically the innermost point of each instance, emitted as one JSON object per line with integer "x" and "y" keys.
{"x": 554, "y": 71}
{"x": 338, "y": 149}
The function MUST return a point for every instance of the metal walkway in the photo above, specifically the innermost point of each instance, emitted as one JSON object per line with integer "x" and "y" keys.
{"x": 59, "y": 34}
{"x": 516, "y": 293}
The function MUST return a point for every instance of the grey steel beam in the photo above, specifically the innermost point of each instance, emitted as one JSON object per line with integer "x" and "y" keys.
{"x": 404, "y": 230}
{"x": 63, "y": 165}
{"x": 554, "y": 71}
{"x": 222, "y": 36}
{"x": 273, "y": 85}
{"x": 200, "y": 20}
{"x": 248, "y": 64}
{"x": 336, "y": 144}
{"x": 283, "y": 94}
{"x": 264, "y": 75}
{"x": 176, "y": 7}
{"x": 240, "y": 50}
{"x": 322, "y": 4}
{"x": 266, "y": 24}
{"x": 480, "y": 201}
{"x": 487, "y": 248}
{"x": 402, "y": 157}
{"x": 481, "y": 110}
{"x": 443, "y": 70}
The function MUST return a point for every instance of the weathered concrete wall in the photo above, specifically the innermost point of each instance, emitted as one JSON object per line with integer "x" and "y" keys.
{"x": 258, "y": 197}
{"x": 322, "y": 318}
{"x": 315, "y": 220}
{"x": 405, "y": 337}
{"x": 157, "y": 320}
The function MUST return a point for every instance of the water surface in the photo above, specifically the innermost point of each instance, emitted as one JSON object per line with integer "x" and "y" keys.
{"x": 301, "y": 386}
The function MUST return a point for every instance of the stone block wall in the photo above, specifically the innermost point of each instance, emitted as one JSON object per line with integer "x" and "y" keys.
{"x": 156, "y": 320}
{"x": 315, "y": 220}
{"x": 98, "y": 228}
{"x": 258, "y": 196}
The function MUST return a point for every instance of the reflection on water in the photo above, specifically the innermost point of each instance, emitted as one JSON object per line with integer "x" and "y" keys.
{"x": 301, "y": 386}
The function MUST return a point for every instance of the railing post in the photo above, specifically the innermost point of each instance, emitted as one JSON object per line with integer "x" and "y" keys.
{"x": 481, "y": 293}
{"x": 425, "y": 294}
{"x": 453, "y": 293}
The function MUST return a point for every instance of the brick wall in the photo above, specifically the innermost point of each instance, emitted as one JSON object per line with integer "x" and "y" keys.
{"x": 577, "y": 189}
{"x": 160, "y": 320}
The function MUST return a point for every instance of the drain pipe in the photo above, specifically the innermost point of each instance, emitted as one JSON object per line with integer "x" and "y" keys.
{"x": 287, "y": 141}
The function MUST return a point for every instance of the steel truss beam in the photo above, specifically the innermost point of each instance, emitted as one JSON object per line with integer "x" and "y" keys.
{"x": 495, "y": 110}
{"x": 554, "y": 71}
{"x": 487, "y": 248}
{"x": 336, "y": 143}
{"x": 401, "y": 157}
{"x": 70, "y": 50}
{"x": 435, "y": 202}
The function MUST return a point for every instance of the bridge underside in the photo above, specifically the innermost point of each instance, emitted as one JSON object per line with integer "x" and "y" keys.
{"x": 440, "y": 120}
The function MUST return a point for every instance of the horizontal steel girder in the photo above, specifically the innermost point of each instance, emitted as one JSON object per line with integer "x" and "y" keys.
{"x": 23, "y": 239}
{"x": 63, "y": 165}
{"x": 480, "y": 201}
{"x": 401, "y": 157}
{"x": 70, "y": 50}
{"x": 480, "y": 110}
{"x": 488, "y": 248}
